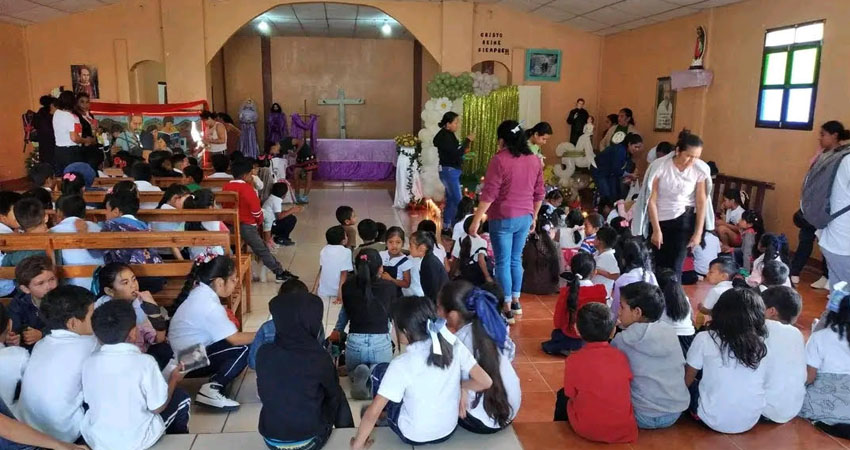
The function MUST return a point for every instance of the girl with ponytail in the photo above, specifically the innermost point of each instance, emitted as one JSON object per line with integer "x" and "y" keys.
{"x": 366, "y": 302}
{"x": 428, "y": 378}
{"x": 428, "y": 275}
{"x": 772, "y": 248}
{"x": 579, "y": 291}
{"x": 201, "y": 320}
{"x": 472, "y": 314}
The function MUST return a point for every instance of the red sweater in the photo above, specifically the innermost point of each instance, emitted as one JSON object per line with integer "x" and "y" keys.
{"x": 250, "y": 210}
{"x": 597, "y": 383}
{"x": 586, "y": 294}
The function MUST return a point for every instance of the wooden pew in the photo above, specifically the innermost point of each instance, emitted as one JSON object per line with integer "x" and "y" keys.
{"x": 755, "y": 188}
{"x": 214, "y": 183}
{"x": 221, "y": 197}
{"x": 116, "y": 172}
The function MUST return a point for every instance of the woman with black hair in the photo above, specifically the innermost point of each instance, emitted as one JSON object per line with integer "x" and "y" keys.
{"x": 623, "y": 124}
{"x": 511, "y": 198}
{"x": 451, "y": 161}
{"x": 613, "y": 164}
{"x": 67, "y": 132}
{"x": 538, "y": 136}
{"x": 835, "y": 239}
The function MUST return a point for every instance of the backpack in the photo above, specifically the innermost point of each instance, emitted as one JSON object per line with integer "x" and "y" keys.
{"x": 817, "y": 189}
{"x": 471, "y": 271}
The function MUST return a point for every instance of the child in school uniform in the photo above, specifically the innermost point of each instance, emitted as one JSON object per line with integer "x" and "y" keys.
{"x": 473, "y": 315}
{"x": 596, "y": 398}
{"x": 278, "y": 222}
{"x": 121, "y": 209}
{"x": 772, "y": 248}
{"x": 122, "y": 386}
{"x": 297, "y": 382}
{"x": 420, "y": 390}
{"x": 13, "y": 360}
{"x": 592, "y": 223}
{"x": 571, "y": 235}
{"x": 72, "y": 209}
{"x": 174, "y": 197}
{"x": 348, "y": 220}
{"x": 32, "y": 218}
{"x": 204, "y": 199}
{"x": 827, "y": 401}
{"x": 607, "y": 268}
{"x": 430, "y": 274}
{"x": 705, "y": 253}
{"x": 579, "y": 291}
{"x": 730, "y": 397}
{"x": 367, "y": 229}
{"x": 774, "y": 273}
{"x": 439, "y": 249}
{"x": 659, "y": 394}
{"x": 677, "y": 308}
{"x": 541, "y": 258}
{"x": 116, "y": 281}
{"x": 51, "y": 390}
{"x": 721, "y": 273}
{"x": 785, "y": 383}
{"x": 471, "y": 260}
{"x": 43, "y": 176}
{"x": 334, "y": 265}
{"x": 553, "y": 200}
{"x": 7, "y": 226}
{"x": 36, "y": 277}
{"x": 752, "y": 229}
{"x": 201, "y": 319}
{"x": 142, "y": 175}
{"x": 635, "y": 265}
{"x": 220, "y": 163}
{"x": 465, "y": 210}
{"x": 397, "y": 265}
{"x": 192, "y": 176}
{"x": 734, "y": 204}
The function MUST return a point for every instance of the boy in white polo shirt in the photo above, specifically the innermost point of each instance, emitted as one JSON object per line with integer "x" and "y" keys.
{"x": 785, "y": 382}
{"x": 721, "y": 271}
{"x": 130, "y": 404}
{"x": 51, "y": 390}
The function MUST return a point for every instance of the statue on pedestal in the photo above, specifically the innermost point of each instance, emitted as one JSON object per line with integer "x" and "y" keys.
{"x": 699, "y": 49}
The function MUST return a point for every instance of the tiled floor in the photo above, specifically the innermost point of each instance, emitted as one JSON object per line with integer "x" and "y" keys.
{"x": 541, "y": 375}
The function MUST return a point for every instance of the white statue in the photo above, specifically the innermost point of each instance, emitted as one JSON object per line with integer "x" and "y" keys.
{"x": 572, "y": 156}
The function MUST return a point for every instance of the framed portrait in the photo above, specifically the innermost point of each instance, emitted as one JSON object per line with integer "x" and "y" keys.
{"x": 665, "y": 104}
{"x": 84, "y": 79}
{"x": 542, "y": 65}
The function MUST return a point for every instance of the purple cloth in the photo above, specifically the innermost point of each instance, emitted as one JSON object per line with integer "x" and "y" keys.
{"x": 277, "y": 127}
{"x": 512, "y": 185}
{"x": 356, "y": 159}
{"x": 299, "y": 127}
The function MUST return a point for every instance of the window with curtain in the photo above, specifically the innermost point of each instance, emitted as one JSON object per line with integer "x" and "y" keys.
{"x": 789, "y": 76}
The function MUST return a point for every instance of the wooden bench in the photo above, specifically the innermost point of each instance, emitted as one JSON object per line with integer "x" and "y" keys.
{"x": 755, "y": 188}
{"x": 221, "y": 197}
{"x": 162, "y": 182}
{"x": 116, "y": 172}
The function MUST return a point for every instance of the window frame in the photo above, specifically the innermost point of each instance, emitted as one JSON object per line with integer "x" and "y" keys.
{"x": 787, "y": 86}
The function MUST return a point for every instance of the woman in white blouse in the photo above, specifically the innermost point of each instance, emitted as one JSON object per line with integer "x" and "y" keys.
{"x": 677, "y": 202}
{"x": 67, "y": 131}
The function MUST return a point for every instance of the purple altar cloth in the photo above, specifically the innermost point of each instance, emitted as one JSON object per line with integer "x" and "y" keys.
{"x": 356, "y": 159}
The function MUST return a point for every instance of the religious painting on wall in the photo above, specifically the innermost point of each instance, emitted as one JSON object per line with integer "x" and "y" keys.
{"x": 665, "y": 104}
{"x": 84, "y": 79}
{"x": 542, "y": 65}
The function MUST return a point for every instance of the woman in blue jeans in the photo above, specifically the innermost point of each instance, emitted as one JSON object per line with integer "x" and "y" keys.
{"x": 511, "y": 197}
{"x": 366, "y": 299}
{"x": 451, "y": 160}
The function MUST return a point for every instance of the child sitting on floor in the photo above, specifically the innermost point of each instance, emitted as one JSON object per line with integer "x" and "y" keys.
{"x": 592, "y": 223}
{"x": 659, "y": 394}
{"x": 785, "y": 384}
{"x": 8, "y": 224}
{"x": 774, "y": 273}
{"x": 722, "y": 273}
{"x": 347, "y": 219}
{"x": 71, "y": 213}
{"x": 13, "y": 360}
{"x": 579, "y": 291}
{"x": 267, "y": 331}
{"x": 607, "y": 268}
{"x": 439, "y": 249}
{"x": 734, "y": 203}
{"x": 635, "y": 265}
{"x": 571, "y": 233}
{"x": 471, "y": 260}
{"x": 771, "y": 248}
{"x": 752, "y": 228}
{"x": 420, "y": 390}
{"x": 119, "y": 370}
{"x": 36, "y": 277}
{"x": 596, "y": 398}
{"x": 334, "y": 265}
{"x": 368, "y": 231}
{"x": 51, "y": 389}
{"x": 677, "y": 308}
{"x": 429, "y": 274}
{"x": 278, "y": 222}
{"x": 397, "y": 265}
{"x": 730, "y": 397}
{"x": 704, "y": 254}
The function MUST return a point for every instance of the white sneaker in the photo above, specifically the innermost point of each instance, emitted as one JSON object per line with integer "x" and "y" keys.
{"x": 822, "y": 283}
{"x": 210, "y": 395}
{"x": 795, "y": 280}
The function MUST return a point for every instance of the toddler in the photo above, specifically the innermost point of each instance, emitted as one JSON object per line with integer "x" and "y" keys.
{"x": 592, "y": 223}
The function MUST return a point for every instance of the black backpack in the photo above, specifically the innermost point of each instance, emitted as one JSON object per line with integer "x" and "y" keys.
{"x": 817, "y": 189}
{"x": 471, "y": 271}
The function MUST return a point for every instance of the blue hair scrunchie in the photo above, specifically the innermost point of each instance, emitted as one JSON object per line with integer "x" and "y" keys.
{"x": 485, "y": 306}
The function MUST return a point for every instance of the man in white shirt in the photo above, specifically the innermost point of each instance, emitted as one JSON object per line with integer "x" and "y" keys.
{"x": 785, "y": 384}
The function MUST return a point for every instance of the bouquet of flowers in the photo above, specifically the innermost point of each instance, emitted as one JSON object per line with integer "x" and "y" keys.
{"x": 407, "y": 140}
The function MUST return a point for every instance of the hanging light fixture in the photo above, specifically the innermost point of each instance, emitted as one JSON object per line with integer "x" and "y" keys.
{"x": 263, "y": 26}
{"x": 386, "y": 29}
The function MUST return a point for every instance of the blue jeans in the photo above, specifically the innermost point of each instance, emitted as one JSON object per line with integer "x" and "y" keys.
{"x": 451, "y": 180}
{"x": 508, "y": 238}
{"x": 369, "y": 349}
{"x": 9, "y": 445}
{"x": 654, "y": 423}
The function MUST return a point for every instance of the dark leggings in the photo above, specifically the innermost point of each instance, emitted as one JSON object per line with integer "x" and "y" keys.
{"x": 176, "y": 413}
{"x": 804, "y": 247}
{"x": 561, "y": 407}
{"x": 283, "y": 227}
{"x": 674, "y": 249}
{"x": 227, "y": 361}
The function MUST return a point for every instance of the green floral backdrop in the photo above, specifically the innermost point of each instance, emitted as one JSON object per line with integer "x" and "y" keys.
{"x": 482, "y": 115}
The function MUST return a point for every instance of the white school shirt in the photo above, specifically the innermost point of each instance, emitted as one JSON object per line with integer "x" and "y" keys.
{"x": 611, "y": 216}
{"x": 566, "y": 237}
{"x": 65, "y": 122}
{"x": 141, "y": 317}
{"x": 201, "y": 319}
{"x": 7, "y": 286}
{"x": 606, "y": 261}
{"x": 731, "y": 396}
{"x": 458, "y": 232}
{"x": 440, "y": 253}
{"x": 684, "y": 327}
{"x": 430, "y": 395}
{"x": 333, "y": 260}
{"x": 835, "y": 238}
{"x": 13, "y": 361}
{"x": 168, "y": 226}
{"x": 785, "y": 364}
{"x": 210, "y": 225}
{"x": 676, "y": 189}
{"x": 146, "y": 186}
{"x": 415, "y": 289}
{"x": 278, "y": 166}
{"x": 510, "y": 380}
{"x": 704, "y": 256}
{"x": 271, "y": 207}
{"x": 123, "y": 387}
{"x": 733, "y": 216}
{"x": 220, "y": 175}
{"x": 714, "y": 294}
{"x": 79, "y": 257}
{"x": 52, "y": 388}
{"x": 828, "y": 352}
{"x": 388, "y": 260}
{"x": 477, "y": 243}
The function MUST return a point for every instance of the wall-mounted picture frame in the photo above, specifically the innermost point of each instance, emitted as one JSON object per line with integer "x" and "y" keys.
{"x": 542, "y": 65}
{"x": 665, "y": 104}
{"x": 84, "y": 80}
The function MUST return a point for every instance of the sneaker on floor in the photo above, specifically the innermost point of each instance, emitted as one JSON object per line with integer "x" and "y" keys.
{"x": 822, "y": 283}
{"x": 795, "y": 280}
{"x": 284, "y": 242}
{"x": 210, "y": 395}
{"x": 290, "y": 274}
{"x": 516, "y": 308}
{"x": 509, "y": 317}
{"x": 360, "y": 382}
{"x": 282, "y": 277}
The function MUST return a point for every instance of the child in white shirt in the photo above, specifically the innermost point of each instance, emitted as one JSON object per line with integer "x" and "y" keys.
{"x": 51, "y": 389}
{"x": 175, "y": 197}
{"x": 721, "y": 272}
{"x": 397, "y": 265}
{"x": 772, "y": 248}
{"x": 705, "y": 253}
{"x": 730, "y": 397}
{"x": 124, "y": 387}
{"x": 334, "y": 265}
{"x": 785, "y": 385}
{"x": 220, "y": 163}
{"x": 677, "y": 308}
{"x": 7, "y": 226}
{"x": 142, "y": 175}
{"x": 471, "y": 261}
{"x": 421, "y": 388}
{"x": 278, "y": 223}
{"x": 607, "y": 268}
{"x": 13, "y": 360}
{"x": 204, "y": 199}
{"x": 71, "y": 209}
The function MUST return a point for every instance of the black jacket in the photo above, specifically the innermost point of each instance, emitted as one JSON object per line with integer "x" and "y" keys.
{"x": 450, "y": 150}
{"x": 577, "y": 119}
{"x": 296, "y": 378}
{"x": 432, "y": 276}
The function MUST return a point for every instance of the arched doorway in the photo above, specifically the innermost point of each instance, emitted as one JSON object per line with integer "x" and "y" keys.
{"x": 145, "y": 79}
{"x": 496, "y": 68}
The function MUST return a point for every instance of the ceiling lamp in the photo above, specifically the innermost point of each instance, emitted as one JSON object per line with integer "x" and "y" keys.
{"x": 386, "y": 29}
{"x": 263, "y": 26}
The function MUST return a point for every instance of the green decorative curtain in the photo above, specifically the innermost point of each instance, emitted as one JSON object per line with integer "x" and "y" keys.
{"x": 482, "y": 115}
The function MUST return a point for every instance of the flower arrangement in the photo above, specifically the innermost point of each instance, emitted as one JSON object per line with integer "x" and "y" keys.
{"x": 409, "y": 146}
{"x": 32, "y": 160}
{"x": 406, "y": 140}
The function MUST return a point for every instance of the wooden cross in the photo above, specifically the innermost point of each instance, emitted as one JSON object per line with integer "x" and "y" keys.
{"x": 341, "y": 101}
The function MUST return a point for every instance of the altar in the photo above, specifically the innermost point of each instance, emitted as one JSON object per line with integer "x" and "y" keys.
{"x": 356, "y": 159}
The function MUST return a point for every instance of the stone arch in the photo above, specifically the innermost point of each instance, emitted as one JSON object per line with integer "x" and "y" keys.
{"x": 144, "y": 77}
